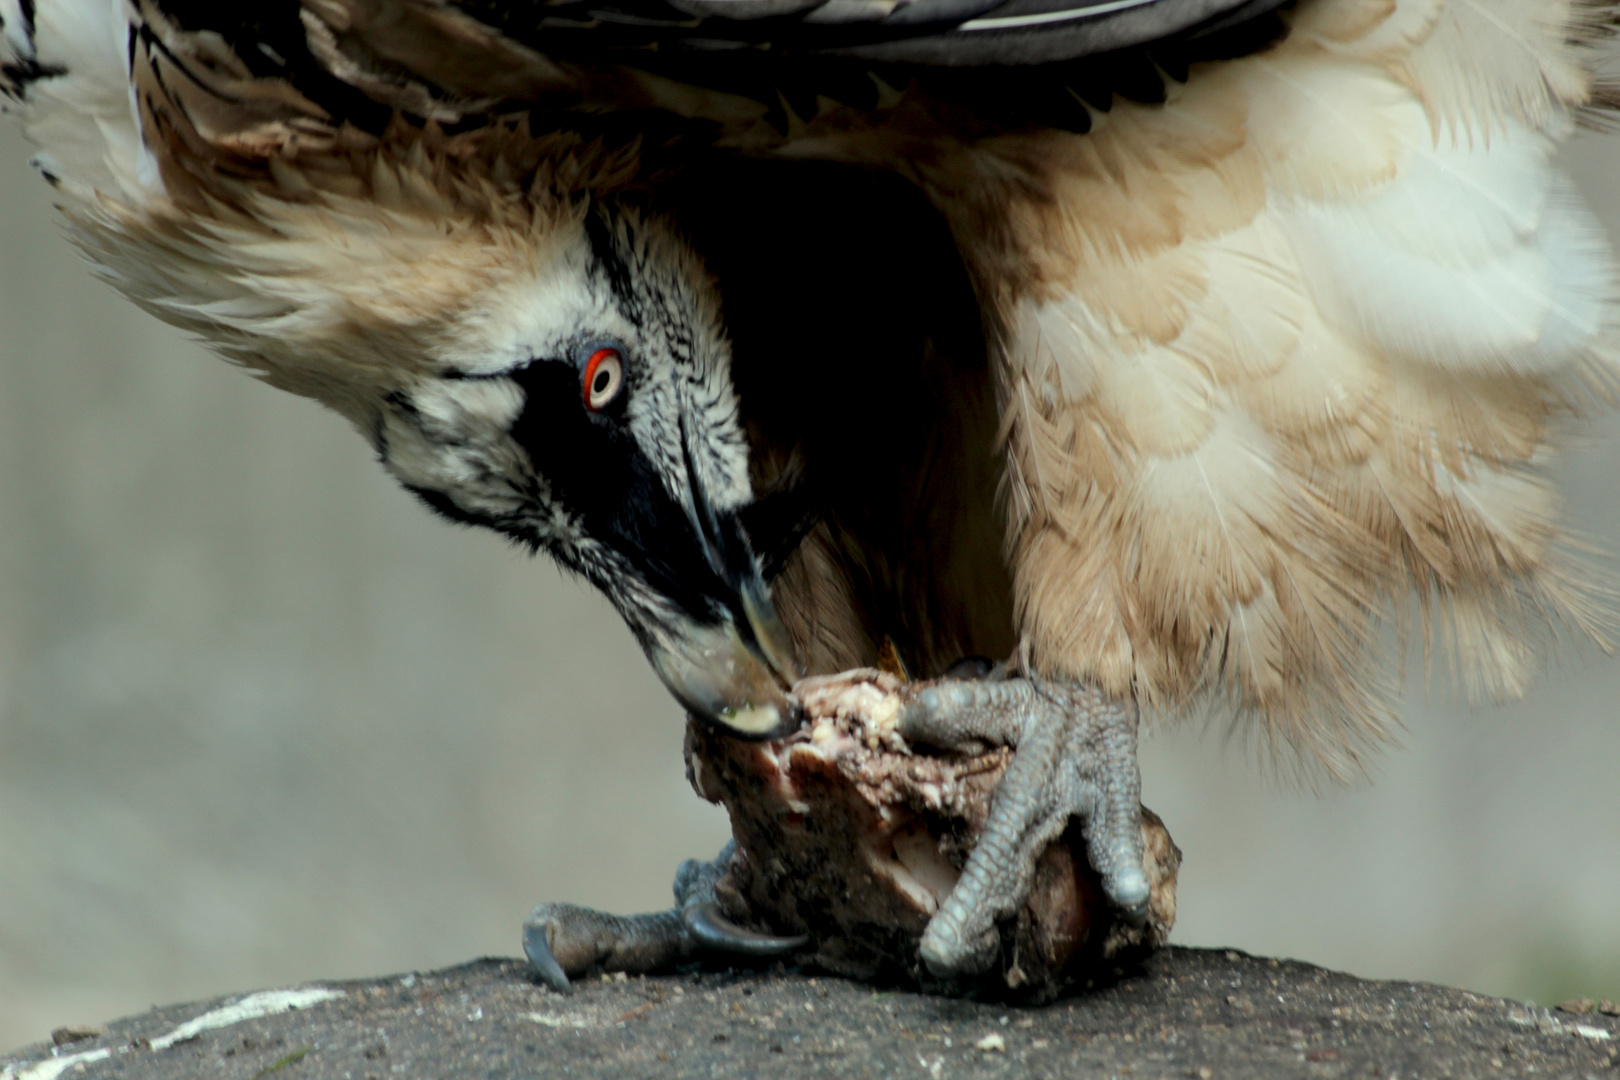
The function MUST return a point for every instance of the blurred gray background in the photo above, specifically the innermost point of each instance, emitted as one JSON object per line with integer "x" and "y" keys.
{"x": 263, "y": 719}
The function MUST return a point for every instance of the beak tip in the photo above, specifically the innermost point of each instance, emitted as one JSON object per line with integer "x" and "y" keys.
{"x": 767, "y": 722}
{"x": 724, "y": 682}
{"x": 734, "y": 673}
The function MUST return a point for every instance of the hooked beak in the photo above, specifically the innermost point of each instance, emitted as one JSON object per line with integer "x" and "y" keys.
{"x": 734, "y": 673}
{"x": 725, "y": 679}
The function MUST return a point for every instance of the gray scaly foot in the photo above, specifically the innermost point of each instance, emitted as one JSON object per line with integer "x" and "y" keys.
{"x": 1075, "y": 756}
{"x": 563, "y": 939}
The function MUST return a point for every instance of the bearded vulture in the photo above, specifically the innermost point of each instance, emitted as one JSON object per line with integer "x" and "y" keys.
{"x": 1174, "y": 355}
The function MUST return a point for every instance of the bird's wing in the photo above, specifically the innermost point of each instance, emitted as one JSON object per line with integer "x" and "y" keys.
{"x": 1284, "y": 340}
{"x": 1296, "y": 347}
{"x": 951, "y": 32}
{"x": 358, "y": 61}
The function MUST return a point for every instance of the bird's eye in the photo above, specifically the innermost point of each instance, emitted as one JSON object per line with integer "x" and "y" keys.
{"x": 604, "y": 376}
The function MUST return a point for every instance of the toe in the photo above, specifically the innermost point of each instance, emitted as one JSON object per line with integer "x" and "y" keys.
{"x": 948, "y": 952}
{"x": 1130, "y": 890}
{"x": 961, "y": 938}
{"x": 1114, "y": 847}
{"x": 563, "y": 939}
{"x": 1075, "y": 757}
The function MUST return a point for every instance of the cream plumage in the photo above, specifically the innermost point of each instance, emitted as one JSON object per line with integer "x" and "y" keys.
{"x": 1273, "y": 368}
{"x": 1309, "y": 363}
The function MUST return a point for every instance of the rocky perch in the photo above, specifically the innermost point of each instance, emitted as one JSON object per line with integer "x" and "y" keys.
{"x": 1184, "y": 1013}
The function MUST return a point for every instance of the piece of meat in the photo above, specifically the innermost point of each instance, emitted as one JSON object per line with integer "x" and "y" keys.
{"x": 845, "y": 833}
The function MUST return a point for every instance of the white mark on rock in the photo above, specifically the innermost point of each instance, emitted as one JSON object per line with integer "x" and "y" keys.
{"x": 1546, "y": 1023}
{"x": 51, "y": 1068}
{"x": 267, "y": 1003}
{"x": 560, "y": 1021}
{"x": 992, "y": 1044}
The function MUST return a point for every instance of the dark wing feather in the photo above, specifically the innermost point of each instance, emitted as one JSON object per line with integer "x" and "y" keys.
{"x": 1016, "y": 62}
{"x": 935, "y": 32}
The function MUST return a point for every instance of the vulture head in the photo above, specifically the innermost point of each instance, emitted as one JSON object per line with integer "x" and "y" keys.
{"x": 586, "y": 408}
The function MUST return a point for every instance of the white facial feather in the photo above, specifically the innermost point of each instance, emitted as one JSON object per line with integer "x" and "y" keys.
{"x": 539, "y": 309}
{"x": 453, "y": 437}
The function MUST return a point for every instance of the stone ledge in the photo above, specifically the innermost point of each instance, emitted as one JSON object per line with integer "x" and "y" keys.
{"x": 1192, "y": 1013}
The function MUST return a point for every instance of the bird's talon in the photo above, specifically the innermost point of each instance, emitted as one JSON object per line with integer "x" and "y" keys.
{"x": 1130, "y": 892}
{"x": 562, "y": 939}
{"x": 537, "y": 936}
{"x": 1074, "y": 758}
{"x": 710, "y": 928}
{"x": 947, "y": 956}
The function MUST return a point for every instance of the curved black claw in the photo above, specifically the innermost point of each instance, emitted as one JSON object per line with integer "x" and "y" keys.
{"x": 713, "y": 930}
{"x": 1075, "y": 756}
{"x": 537, "y": 947}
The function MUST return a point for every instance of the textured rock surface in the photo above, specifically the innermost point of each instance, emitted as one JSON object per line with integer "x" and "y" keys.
{"x": 1186, "y": 1013}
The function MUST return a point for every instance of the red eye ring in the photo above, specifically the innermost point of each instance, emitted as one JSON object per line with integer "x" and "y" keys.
{"x": 604, "y": 377}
